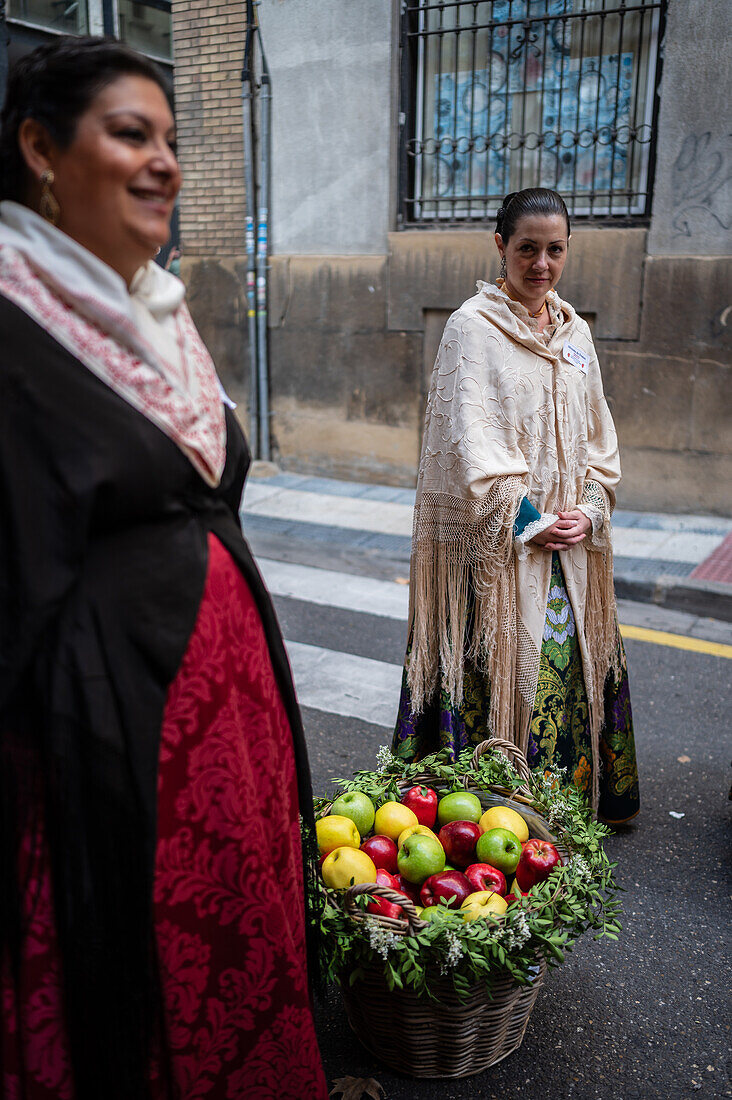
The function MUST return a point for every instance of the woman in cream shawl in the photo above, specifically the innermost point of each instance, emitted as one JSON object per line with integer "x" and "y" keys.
{"x": 513, "y": 624}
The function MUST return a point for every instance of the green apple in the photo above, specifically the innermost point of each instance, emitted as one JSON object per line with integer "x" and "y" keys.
{"x": 459, "y": 806}
{"x": 501, "y": 848}
{"x": 434, "y": 912}
{"x": 359, "y": 807}
{"x": 419, "y": 857}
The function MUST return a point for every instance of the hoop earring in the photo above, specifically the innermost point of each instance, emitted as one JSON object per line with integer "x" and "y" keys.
{"x": 503, "y": 267}
{"x": 49, "y": 207}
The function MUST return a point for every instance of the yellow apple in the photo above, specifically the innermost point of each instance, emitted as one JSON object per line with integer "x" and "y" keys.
{"x": 503, "y": 817}
{"x": 392, "y": 819}
{"x": 346, "y": 867}
{"x": 335, "y": 831}
{"x": 481, "y": 903}
{"x": 410, "y": 829}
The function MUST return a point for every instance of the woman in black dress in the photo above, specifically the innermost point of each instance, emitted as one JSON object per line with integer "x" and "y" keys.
{"x": 153, "y": 766}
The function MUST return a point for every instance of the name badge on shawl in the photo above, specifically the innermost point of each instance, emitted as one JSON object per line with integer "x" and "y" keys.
{"x": 576, "y": 356}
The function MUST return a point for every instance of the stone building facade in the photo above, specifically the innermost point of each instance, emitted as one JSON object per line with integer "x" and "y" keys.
{"x": 358, "y": 295}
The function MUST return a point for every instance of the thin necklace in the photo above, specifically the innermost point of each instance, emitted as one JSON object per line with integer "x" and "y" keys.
{"x": 538, "y": 312}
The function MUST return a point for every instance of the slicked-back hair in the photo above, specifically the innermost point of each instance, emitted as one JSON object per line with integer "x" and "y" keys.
{"x": 530, "y": 201}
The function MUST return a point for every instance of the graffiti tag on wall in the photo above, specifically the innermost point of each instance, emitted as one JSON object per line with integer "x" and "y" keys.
{"x": 701, "y": 179}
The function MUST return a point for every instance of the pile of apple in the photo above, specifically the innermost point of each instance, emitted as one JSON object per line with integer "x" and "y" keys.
{"x": 478, "y": 862}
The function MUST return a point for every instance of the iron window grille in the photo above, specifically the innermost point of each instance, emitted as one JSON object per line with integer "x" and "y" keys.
{"x": 500, "y": 95}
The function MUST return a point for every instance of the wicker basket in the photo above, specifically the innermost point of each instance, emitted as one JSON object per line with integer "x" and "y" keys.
{"x": 447, "y": 1037}
{"x": 450, "y": 1036}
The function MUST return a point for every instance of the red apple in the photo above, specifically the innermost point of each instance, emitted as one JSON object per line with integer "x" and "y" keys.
{"x": 482, "y": 876}
{"x": 381, "y": 906}
{"x": 459, "y": 838}
{"x": 515, "y": 894}
{"x": 538, "y": 860}
{"x": 411, "y": 889}
{"x": 383, "y": 852}
{"x": 423, "y": 801}
{"x": 442, "y": 887}
{"x": 510, "y": 898}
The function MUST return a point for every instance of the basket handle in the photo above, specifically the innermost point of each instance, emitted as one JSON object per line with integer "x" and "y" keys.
{"x": 512, "y": 753}
{"x": 411, "y": 923}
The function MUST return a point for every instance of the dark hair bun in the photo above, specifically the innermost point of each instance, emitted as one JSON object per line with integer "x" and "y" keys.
{"x": 501, "y": 215}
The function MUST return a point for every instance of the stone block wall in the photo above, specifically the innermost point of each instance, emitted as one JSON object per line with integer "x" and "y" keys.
{"x": 356, "y": 310}
{"x": 354, "y": 340}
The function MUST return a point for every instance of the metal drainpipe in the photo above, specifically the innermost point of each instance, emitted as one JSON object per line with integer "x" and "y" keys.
{"x": 262, "y": 261}
{"x": 247, "y": 95}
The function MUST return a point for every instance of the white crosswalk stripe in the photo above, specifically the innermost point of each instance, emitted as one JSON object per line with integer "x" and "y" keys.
{"x": 330, "y": 589}
{"x": 352, "y": 513}
{"x": 328, "y": 680}
{"x": 341, "y": 683}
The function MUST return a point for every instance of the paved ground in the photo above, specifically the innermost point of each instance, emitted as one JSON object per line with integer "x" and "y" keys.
{"x": 644, "y": 1018}
{"x": 681, "y": 562}
{"x": 647, "y": 1017}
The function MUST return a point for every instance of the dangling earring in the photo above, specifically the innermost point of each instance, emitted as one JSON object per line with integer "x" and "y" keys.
{"x": 503, "y": 267}
{"x": 49, "y": 207}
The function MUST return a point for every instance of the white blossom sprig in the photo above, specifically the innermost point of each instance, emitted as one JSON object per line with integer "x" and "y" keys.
{"x": 381, "y": 940}
{"x": 384, "y": 759}
{"x": 454, "y": 952}
{"x": 515, "y": 932}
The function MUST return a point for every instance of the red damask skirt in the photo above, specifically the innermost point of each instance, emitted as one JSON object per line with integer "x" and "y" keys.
{"x": 229, "y": 902}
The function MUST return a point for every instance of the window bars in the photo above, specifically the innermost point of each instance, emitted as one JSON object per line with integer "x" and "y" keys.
{"x": 500, "y": 95}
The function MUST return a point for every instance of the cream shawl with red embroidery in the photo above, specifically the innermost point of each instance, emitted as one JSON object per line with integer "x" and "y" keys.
{"x": 141, "y": 342}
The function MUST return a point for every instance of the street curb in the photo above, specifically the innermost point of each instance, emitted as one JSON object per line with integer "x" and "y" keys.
{"x": 708, "y": 599}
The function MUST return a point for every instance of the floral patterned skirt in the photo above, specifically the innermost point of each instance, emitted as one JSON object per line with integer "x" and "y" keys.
{"x": 228, "y": 889}
{"x": 559, "y": 734}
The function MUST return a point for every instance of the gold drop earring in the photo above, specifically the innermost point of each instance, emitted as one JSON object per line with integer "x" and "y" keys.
{"x": 49, "y": 207}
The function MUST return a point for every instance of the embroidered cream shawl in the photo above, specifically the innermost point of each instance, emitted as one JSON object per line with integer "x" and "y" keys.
{"x": 508, "y": 415}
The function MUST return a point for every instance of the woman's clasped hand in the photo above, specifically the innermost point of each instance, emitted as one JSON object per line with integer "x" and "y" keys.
{"x": 569, "y": 530}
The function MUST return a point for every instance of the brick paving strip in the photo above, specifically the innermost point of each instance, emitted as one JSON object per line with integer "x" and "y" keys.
{"x": 718, "y": 566}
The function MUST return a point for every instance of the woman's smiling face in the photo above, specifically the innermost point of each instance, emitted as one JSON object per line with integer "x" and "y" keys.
{"x": 535, "y": 254}
{"x": 116, "y": 183}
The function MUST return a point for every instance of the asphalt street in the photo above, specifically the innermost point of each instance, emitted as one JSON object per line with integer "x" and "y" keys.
{"x": 645, "y": 1017}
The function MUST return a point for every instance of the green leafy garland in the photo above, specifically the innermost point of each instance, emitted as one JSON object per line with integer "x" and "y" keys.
{"x": 579, "y": 896}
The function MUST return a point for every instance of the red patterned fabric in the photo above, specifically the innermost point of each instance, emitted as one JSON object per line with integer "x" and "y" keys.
{"x": 229, "y": 904}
